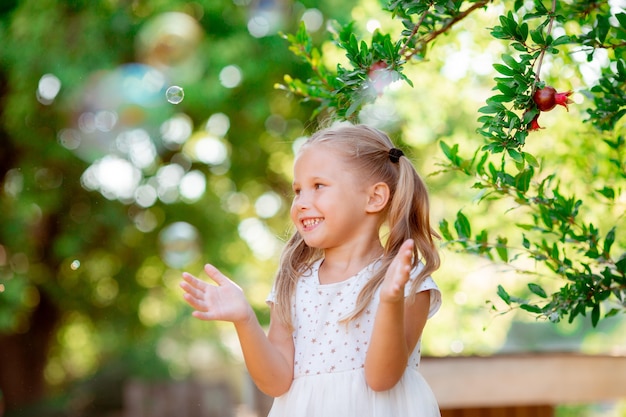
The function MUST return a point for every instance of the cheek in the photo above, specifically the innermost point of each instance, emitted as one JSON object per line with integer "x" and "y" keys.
{"x": 293, "y": 211}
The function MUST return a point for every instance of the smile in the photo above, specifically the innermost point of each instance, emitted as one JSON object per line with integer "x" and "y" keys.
{"x": 311, "y": 222}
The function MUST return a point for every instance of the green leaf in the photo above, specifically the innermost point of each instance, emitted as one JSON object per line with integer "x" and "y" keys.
{"x": 607, "y": 192}
{"x": 608, "y": 241}
{"x": 603, "y": 27}
{"x": 621, "y": 265}
{"x": 522, "y": 180}
{"x": 537, "y": 290}
{"x": 621, "y": 17}
{"x": 515, "y": 155}
{"x": 531, "y": 308}
{"x": 523, "y": 31}
{"x": 491, "y": 108}
{"x": 537, "y": 37}
{"x": 504, "y": 295}
{"x": 462, "y": 226}
{"x": 447, "y": 151}
{"x": 445, "y": 230}
{"x": 595, "y": 315}
{"x": 530, "y": 159}
{"x": 503, "y": 69}
{"x": 501, "y": 98}
{"x": 561, "y": 40}
{"x": 511, "y": 62}
{"x": 502, "y": 249}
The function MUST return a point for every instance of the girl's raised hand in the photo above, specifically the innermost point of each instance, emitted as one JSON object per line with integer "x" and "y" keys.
{"x": 398, "y": 274}
{"x": 224, "y": 301}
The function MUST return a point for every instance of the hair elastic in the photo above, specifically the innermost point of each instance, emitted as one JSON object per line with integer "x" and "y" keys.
{"x": 395, "y": 154}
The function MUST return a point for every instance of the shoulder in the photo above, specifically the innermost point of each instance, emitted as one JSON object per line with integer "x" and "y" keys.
{"x": 308, "y": 276}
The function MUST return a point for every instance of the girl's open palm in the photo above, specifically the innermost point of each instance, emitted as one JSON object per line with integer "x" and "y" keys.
{"x": 224, "y": 301}
{"x": 398, "y": 274}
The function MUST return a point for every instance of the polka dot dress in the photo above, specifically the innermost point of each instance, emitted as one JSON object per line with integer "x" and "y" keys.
{"x": 329, "y": 356}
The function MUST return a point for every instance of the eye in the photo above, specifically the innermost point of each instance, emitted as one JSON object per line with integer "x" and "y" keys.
{"x": 318, "y": 186}
{"x": 296, "y": 191}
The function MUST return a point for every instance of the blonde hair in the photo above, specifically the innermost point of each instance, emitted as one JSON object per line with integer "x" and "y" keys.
{"x": 366, "y": 149}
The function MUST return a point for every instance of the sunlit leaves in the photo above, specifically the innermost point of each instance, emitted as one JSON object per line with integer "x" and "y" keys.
{"x": 346, "y": 90}
{"x": 609, "y": 98}
{"x": 557, "y": 236}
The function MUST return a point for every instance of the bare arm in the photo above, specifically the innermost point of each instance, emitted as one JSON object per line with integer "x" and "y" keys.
{"x": 397, "y": 327}
{"x": 269, "y": 358}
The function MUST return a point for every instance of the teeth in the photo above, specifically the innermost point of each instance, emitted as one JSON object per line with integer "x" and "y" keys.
{"x": 310, "y": 222}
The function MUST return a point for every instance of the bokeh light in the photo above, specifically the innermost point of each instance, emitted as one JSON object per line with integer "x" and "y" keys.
{"x": 267, "y": 205}
{"x": 145, "y": 195}
{"x": 259, "y": 238}
{"x": 176, "y": 130}
{"x": 192, "y": 186}
{"x": 48, "y": 88}
{"x": 168, "y": 178}
{"x": 208, "y": 149}
{"x": 231, "y": 76}
{"x": 113, "y": 177}
{"x": 218, "y": 124}
{"x": 180, "y": 244}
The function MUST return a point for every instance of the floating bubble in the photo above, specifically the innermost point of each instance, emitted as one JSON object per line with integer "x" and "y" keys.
{"x": 75, "y": 264}
{"x": 112, "y": 103}
{"x": 313, "y": 19}
{"x": 175, "y": 94}
{"x": 179, "y": 244}
{"x": 170, "y": 41}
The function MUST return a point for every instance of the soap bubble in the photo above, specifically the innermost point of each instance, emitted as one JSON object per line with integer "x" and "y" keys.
{"x": 180, "y": 244}
{"x": 75, "y": 264}
{"x": 175, "y": 94}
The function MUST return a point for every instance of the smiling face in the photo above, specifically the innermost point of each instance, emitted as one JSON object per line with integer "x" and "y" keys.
{"x": 332, "y": 203}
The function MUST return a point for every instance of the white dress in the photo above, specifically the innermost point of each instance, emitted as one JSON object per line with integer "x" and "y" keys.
{"x": 329, "y": 377}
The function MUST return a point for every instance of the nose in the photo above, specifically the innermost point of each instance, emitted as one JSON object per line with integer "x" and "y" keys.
{"x": 301, "y": 202}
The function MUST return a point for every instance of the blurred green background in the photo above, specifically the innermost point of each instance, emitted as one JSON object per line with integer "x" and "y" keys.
{"x": 111, "y": 186}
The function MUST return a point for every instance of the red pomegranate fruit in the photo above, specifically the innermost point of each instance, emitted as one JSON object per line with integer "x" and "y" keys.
{"x": 547, "y": 98}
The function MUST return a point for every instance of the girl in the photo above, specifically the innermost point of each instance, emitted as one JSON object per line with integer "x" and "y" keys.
{"x": 347, "y": 308}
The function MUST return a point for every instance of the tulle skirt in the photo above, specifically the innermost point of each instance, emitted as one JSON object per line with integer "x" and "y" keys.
{"x": 346, "y": 394}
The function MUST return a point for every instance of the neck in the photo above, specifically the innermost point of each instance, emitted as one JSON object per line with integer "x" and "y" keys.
{"x": 342, "y": 263}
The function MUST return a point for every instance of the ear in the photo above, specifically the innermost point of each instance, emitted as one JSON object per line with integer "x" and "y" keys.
{"x": 378, "y": 197}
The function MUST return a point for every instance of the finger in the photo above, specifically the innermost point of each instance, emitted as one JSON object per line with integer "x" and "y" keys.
{"x": 197, "y": 303}
{"x": 406, "y": 253}
{"x": 215, "y": 274}
{"x": 191, "y": 290}
{"x": 402, "y": 263}
{"x": 194, "y": 282}
{"x": 407, "y": 247}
